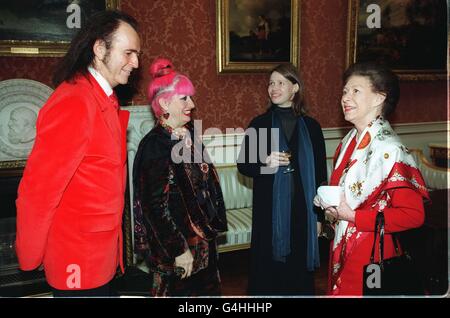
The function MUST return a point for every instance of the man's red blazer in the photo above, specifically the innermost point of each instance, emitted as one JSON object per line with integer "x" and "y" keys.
{"x": 71, "y": 196}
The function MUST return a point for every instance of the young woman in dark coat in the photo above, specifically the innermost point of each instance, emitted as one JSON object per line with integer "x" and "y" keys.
{"x": 284, "y": 245}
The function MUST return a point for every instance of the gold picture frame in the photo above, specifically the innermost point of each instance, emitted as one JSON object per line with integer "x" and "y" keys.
{"x": 12, "y": 166}
{"x": 20, "y": 27}
{"x": 410, "y": 40}
{"x": 249, "y": 40}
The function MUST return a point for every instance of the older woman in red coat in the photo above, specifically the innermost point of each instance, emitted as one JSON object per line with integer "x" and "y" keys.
{"x": 377, "y": 173}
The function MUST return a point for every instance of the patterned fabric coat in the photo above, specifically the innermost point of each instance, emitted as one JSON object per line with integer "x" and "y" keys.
{"x": 178, "y": 205}
{"x": 378, "y": 174}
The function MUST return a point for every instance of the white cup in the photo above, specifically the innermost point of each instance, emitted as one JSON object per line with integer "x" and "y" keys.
{"x": 330, "y": 194}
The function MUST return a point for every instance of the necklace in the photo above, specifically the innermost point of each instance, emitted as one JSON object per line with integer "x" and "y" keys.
{"x": 179, "y": 133}
{"x": 166, "y": 126}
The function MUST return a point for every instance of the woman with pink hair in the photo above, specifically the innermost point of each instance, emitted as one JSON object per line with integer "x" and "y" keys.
{"x": 178, "y": 204}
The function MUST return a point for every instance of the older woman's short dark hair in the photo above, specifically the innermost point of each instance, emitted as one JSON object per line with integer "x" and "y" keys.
{"x": 383, "y": 81}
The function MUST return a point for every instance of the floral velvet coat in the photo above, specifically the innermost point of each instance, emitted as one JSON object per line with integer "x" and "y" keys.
{"x": 178, "y": 205}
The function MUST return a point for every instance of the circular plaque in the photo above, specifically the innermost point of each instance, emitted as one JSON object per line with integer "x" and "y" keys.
{"x": 20, "y": 102}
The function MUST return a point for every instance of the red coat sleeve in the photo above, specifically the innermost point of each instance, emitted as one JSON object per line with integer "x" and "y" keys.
{"x": 406, "y": 212}
{"x": 62, "y": 135}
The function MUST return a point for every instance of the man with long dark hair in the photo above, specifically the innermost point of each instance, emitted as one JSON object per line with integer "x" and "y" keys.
{"x": 71, "y": 196}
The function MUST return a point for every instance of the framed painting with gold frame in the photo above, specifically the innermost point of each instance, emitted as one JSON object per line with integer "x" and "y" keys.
{"x": 409, "y": 36}
{"x": 40, "y": 28}
{"x": 255, "y": 36}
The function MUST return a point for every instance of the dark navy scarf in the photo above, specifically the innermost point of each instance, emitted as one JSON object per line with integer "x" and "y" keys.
{"x": 282, "y": 201}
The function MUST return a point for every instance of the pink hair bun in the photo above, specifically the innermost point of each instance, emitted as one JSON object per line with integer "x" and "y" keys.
{"x": 161, "y": 67}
